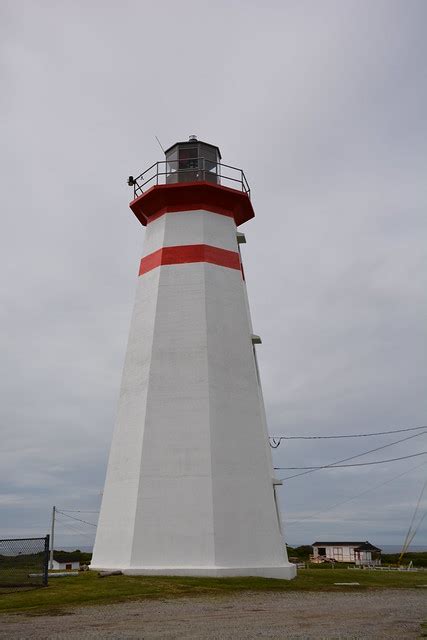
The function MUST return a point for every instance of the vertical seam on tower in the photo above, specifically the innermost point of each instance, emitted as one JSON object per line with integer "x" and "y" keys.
{"x": 159, "y": 273}
{"x": 205, "y": 267}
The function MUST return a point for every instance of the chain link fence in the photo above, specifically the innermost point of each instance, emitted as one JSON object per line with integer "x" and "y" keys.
{"x": 23, "y": 563}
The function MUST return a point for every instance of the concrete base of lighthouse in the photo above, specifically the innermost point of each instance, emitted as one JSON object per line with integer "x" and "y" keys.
{"x": 285, "y": 572}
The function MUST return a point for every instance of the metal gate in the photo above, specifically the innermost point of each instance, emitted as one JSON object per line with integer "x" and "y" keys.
{"x": 23, "y": 563}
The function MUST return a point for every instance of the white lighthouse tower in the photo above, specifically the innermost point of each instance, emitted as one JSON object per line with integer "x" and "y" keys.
{"x": 190, "y": 487}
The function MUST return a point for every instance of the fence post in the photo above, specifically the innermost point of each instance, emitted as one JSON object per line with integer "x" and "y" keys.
{"x": 46, "y": 560}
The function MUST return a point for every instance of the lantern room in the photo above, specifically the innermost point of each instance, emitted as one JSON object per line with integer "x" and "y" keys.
{"x": 192, "y": 177}
{"x": 193, "y": 161}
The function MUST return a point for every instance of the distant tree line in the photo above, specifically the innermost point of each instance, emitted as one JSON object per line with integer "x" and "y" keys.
{"x": 419, "y": 558}
{"x": 73, "y": 556}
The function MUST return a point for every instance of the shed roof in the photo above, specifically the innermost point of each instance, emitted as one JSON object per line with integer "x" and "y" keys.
{"x": 362, "y": 546}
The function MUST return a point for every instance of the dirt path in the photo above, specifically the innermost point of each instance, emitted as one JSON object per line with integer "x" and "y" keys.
{"x": 391, "y": 614}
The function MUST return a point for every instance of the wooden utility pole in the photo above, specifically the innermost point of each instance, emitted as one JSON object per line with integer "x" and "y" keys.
{"x": 52, "y": 538}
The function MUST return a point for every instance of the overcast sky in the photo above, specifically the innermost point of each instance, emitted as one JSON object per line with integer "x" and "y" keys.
{"x": 324, "y": 105}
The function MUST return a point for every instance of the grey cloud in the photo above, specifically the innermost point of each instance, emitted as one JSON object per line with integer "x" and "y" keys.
{"x": 323, "y": 105}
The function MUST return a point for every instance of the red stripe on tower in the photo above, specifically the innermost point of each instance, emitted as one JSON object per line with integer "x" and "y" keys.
{"x": 186, "y": 254}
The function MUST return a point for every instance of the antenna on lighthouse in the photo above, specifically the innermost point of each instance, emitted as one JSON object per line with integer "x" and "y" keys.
{"x": 160, "y": 144}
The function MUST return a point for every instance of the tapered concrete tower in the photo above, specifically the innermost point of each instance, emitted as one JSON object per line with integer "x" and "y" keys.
{"x": 190, "y": 487}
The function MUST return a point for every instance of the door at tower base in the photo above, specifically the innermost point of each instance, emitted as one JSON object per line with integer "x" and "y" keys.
{"x": 190, "y": 487}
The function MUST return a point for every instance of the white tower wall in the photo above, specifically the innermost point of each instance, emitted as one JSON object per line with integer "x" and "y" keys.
{"x": 189, "y": 487}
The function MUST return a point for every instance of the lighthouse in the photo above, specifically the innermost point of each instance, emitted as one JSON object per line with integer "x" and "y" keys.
{"x": 190, "y": 487}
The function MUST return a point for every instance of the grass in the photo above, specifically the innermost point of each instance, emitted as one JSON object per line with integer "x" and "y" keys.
{"x": 88, "y": 589}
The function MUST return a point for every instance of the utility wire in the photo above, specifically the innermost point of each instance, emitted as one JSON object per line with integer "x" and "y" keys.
{"x": 415, "y": 531}
{"x": 338, "y": 462}
{"x": 408, "y": 538}
{"x": 359, "y": 455}
{"x": 277, "y": 439}
{"x": 77, "y": 511}
{"x": 356, "y": 464}
{"x": 338, "y": 504}
{"x": 74, "y": 518}
{"x": 69, "y": 526}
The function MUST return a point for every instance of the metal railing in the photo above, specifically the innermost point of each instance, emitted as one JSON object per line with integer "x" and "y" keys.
{"x": 23, "y": 563}
{"x": 190, "y": 170}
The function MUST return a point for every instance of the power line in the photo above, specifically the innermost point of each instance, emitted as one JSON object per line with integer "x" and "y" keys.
{"x": 77, "y": 511}
{"x": 356, "y": 464}
{"x": 414, "y": 531}
{"x": 411, "y": 533}
{"x": 79, "y": 519}
{"x": 276, "y": 440}
{"x": 338, "y": 462}
{"x": 338, "y": 504}
{"x": 69, "y": 526}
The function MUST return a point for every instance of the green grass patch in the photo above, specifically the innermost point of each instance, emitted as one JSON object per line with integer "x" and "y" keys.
{"x": 88, "y": 589}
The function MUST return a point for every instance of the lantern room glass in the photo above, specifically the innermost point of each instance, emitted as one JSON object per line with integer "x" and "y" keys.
{"x": 192, "y": 162}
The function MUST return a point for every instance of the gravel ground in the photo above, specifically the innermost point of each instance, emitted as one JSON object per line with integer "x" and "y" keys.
{"x": 391, "y": 614}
